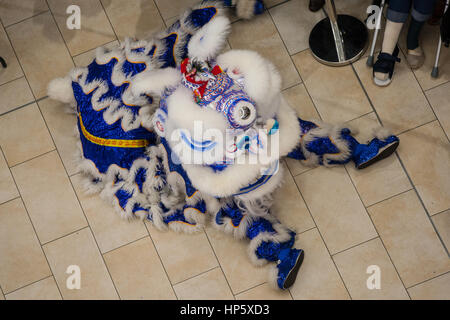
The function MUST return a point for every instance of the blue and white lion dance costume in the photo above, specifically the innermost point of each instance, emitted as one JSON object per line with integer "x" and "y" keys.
{"x": 175, "y": 132}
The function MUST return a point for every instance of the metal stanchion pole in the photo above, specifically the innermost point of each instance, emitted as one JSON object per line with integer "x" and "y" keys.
{"x": 338, "y": 39}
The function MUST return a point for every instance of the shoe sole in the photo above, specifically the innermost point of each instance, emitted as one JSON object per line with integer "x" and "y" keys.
{"x": 382, "y": 83}
{"x": 292, "y": 275}
{"x": 383, "y": 154}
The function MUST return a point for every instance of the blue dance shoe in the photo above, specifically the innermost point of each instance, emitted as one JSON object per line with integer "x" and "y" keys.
{"x": 376, "y": 150}
{"x": 288, "y": 265}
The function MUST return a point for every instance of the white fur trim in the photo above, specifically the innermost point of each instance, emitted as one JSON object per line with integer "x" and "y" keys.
{"x": 209, "y": 40}
{"x": 61, "y": 89}
{"x": 155, "y": 81}
{"x": 381, "y": 133}
{"x": 230, "y": 180}
{"x": 262, "y": 82}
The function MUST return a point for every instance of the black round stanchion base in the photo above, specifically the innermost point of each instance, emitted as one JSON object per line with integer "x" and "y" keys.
{"x": 354, "y": 35}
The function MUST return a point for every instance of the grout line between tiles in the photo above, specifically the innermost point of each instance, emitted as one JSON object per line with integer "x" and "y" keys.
{"x": 426, "y": 97}
{"x": 376, "y": 230}
{"x": 125, "y": 244}
{"x": 160, "y": 15}
{"x": 19, "y": 107}
{"x": 65, "y": 235}
{"x": 197, "y": 275}
{"x": 12, "y": 80}
{"x": 110, "y": 23}
{"x": 9, "y": 200}
{"x": 388, "y": 198}
{"x": 38, "y": 14}
{"x": 285, "y": 48}
{"x": 33, "y": 158}
{"x": 422, "y": 282}
{"x": 403, "y": 167}
{"x": 160, "y": 260}
{"x": 218, "y": 261}
{"x": 354, "y": 246}
{"x": 31, "y": 222}
{"x": 258, "y": 285}
{"x": 323, "y": 240}
{"x": 436, "y": 86}
{"x": 78, "y": 200}
{"x": 60, "y": 33}
{"x": 29, "y": 284}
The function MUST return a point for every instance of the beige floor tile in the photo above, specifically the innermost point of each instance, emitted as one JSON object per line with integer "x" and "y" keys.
{"x": 294, "y": 21}
{"x": 172, "y": 8}
{"x": 95, "y": 28}
{"x": 84, "y": 59}
{"x": 434, "y": 289}
{"x": 429, "y": 41}
{"x": 49, "y": 197}
{"x": 13, "y": 71}
{"x": 14, "y": 11}
{"x": 401, "y": 105}
{"x": 442, "y": 223}
{"x": 260, "y": 34}
{"x": 336, "y": 92}
{"x": 45, "y": 289}
{"x": 110, "y": 230}
{"x": 298, "y": 98}
{"x": 425, "y": 154}
{"x": 41, "y": 51}
{"x": 271, "y": 3}
{"x": 22, "y": 259}
{"x": 211, "y": 285}
{"x": 318, "y": 278}
{"x": 264, "y": 292}
{"x": 353, "y": 265}
{"x": 289, "y": 207}
{"x": 381, "y": 180}
{"x": 241, "y": 274}
{"x": 136, "y": 18}
{"x": 23, "y": 135}
{"x": 336, "y": 207}
{"x": 183, "y": 255}
{"x": 62, "y": 125}
{"x": 409, "y": 238}
{"x": 8, "y": 188}
{"x": 79, "y": 249}
{"x": 14, "y": 94}
{"x": 2, "y": 297}
{"x": 355, "y": 8}
{"x": 440, "y": 102}
{"x": 137, "y": 272}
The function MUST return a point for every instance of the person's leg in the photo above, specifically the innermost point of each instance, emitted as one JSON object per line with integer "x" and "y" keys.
{"x": 421, "y": 12}
{"x": 316, "y": 5}
{"x": 397, "y": 14}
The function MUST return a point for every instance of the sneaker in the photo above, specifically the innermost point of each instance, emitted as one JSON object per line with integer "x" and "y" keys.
{"x": 415, "y": 58}
{"x": 385, "y": 64}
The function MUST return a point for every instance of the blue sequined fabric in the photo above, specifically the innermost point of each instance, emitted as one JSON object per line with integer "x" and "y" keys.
{"x": 324, "y": 144}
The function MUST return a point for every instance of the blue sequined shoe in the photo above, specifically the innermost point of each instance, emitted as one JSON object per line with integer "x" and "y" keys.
{"x": 376, "y": 150}
{"x": 288, "y": 265}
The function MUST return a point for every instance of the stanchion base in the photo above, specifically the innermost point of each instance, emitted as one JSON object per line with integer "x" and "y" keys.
{"x": 323, "y": 47}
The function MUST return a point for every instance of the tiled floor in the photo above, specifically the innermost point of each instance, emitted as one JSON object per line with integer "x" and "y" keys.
{"x": 394, "y": 215}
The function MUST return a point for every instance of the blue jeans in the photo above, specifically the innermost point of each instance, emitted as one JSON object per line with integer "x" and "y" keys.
{"x": 398, "y": 10}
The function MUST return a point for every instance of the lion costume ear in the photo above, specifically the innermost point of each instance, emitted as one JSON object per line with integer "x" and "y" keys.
{"x": 210, "y": 39}
{"x": 154, "y": 82}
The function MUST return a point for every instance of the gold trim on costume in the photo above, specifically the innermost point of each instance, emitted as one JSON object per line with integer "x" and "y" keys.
{"x": 117, "y": 143}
